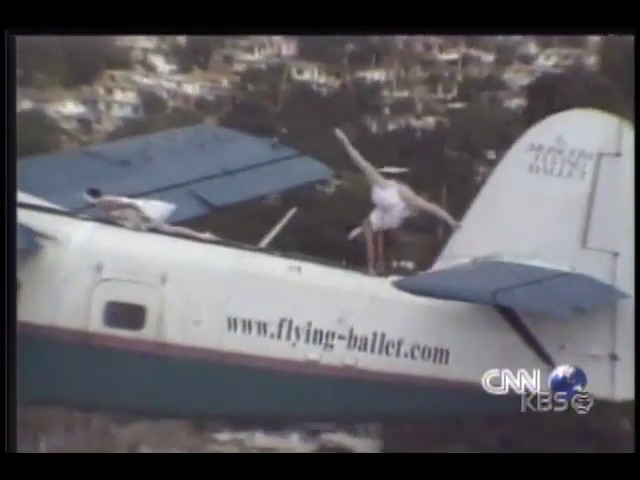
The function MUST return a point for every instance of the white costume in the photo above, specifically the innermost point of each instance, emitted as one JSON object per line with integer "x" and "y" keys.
{"x": 157, "y": 213}
{"x": 154, "y": 212}
{"x": 390, "y": 210}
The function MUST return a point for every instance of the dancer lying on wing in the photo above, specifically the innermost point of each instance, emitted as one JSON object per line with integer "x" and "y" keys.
{"x": 143, "y": 214}
{"x": 394, "y": 202}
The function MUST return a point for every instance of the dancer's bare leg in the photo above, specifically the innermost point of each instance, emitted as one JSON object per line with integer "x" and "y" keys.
{"x": 379, "y": 245}
{"x": 373, "y": 176}
{"x": 186, "y": 231}
{"x": 369, "y": 236}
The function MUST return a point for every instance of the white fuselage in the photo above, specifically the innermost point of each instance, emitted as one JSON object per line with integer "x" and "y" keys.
{"x": 195, "y": 290}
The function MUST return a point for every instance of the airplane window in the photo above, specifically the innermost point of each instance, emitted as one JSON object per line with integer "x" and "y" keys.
{"x": 125, "y": 316}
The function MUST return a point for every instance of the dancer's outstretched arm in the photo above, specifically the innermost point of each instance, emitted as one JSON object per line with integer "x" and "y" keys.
{"x": 416, "y": 202}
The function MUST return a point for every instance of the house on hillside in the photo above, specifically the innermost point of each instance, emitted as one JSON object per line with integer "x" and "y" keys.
{"x": 375, "y": 75}
{"x": 518, "y": 76}
{"x": 28, "y": 99}
{"x": 251, "y": 49}
{"x": 139, "y": 45}
{"x": 114, "y": 99}
{"x": 183, "y": 90}
{"x": 400, "y": 87}
{"x": 286, "y": 47}
{"x": 403, "y": 113}
{"x": 483, "y": 56}
{"x": 515, "y": 102}
{"x": 255, "y": 51}
{"x": 160, "y": 64}
{"x": 557, "y": 59}
{"x": 324, "y": 79}
{"x": 477, "y": 63}
{"x": 511, "y": 100}
{"x": 87, "y": 110}
{"x": 219, "y": 75}
{"x": 72, "y": 115}
{"x": 117, "y": 78}
{"x": 111, "y": 107}
{"x": 438, "y": 88}
{"x": 528, "y": 50}
{"x": 64, "y": 106}
{"x": 208, "y": 85}
{"x": 142, "y": 42}
{"x": 25, "y": 104}
{"x": 177, "y": 90}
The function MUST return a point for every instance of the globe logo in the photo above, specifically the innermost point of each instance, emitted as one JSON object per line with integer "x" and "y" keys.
{"x": 572, "y": 381}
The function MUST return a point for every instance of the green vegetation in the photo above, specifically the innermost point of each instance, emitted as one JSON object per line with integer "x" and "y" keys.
{"x": 174, "y": 118}
{"x": 66, "y": 61}
{"x": 196, "y": 53}
{"x": 552, "y": 93}
{"x": 152, "y": 103}
{"x": 37, "y": 133}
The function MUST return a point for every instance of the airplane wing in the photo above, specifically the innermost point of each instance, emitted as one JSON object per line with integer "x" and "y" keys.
{"x": 28, "y": 244}
{"x": 27, "y": 240}
{"x": 200, "y": 169}
{"x": 516, "y": 285}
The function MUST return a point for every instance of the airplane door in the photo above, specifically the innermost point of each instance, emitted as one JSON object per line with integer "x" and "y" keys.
{"x": 126, "y": 308}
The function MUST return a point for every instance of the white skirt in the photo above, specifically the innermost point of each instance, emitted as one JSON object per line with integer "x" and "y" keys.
{"x": 156, "y": 210}
{"x": 388, "y": 218}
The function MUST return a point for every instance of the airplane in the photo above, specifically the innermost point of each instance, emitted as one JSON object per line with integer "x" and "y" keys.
{"x": 540, "y": 274}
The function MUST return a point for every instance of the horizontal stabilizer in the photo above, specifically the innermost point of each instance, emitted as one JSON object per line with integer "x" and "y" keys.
{"x": 521, "y": 286}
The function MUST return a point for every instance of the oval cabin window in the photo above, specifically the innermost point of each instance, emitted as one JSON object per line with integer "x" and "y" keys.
{"x": 124, "y": 316}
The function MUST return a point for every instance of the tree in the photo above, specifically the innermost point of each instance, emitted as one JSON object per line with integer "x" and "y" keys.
{"x": 367, "y": 96}
{"x": 252, "y": 118}
{"x": 323, "y": 49}
{"x": 208, "y": 107}
{"x": 114, "y": 56}
{"x": 174, "y": 118}
{"x": 37, "y": 133}
{"x": 472, "y": 132}
{"x": 197, "y": 51}
{"x": 368, "y": 55}
{"x": 133, "y": 128}
{"x": 570, "y": 41}
{"x": 152, "y": 103}
{"x": 181, "y": 117}
{"x": 471, "y": 88}
{"x": 505, "y": 54}
{"x": 67, "y": 61}
{"x": 546, "y": 41}
{"x": 85, "y": 59}
{"x": 617, "y": 63}
{"x": 41, "y": 62}
{"x": 577, "y": 88}
{"x": 270, "y": 78}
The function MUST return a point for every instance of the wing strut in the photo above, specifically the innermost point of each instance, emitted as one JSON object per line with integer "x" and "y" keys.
{"x": 266, "y": 240}
{"x": 516, "y": 322}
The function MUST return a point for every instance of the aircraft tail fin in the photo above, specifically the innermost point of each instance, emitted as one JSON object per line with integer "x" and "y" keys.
{"x": 564, "y": 195}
